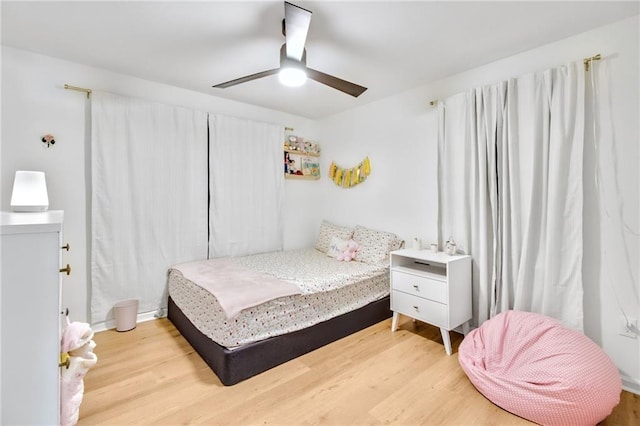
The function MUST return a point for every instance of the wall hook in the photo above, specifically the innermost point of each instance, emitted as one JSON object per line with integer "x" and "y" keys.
{"x": 48, "y": 139}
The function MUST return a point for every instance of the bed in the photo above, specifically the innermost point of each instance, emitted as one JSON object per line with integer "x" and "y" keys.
{"x": 317, "y": 299}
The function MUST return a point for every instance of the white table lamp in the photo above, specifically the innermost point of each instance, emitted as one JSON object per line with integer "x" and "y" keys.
{"x": 29, "y": 192}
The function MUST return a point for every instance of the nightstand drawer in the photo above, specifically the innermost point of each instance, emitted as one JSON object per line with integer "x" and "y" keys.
{"x": 422, "y": 309}
{"x": 420, "y": 286}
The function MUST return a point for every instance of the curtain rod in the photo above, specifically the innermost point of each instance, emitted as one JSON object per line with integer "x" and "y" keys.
{"x": 586, "y": 61}
{"x": 79, "y": 89}
{"x": 88, "y": 92}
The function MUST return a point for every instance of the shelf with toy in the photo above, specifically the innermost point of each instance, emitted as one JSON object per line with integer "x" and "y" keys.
{"x": 301, "y": 159}
{"x": 295, "y": 151}
{"x": 298, "y": 144}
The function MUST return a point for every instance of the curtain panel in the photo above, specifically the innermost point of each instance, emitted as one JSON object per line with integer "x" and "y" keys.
{"x": 510, "y": 191}
{"x": 550, "y": 134}
{"x": 149, "y": 198}
{"x": 246, "y": 186}
{"x": 467, "y": 176}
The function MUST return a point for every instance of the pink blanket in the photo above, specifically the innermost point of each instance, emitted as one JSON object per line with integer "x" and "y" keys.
{"x": 236, "y": 288}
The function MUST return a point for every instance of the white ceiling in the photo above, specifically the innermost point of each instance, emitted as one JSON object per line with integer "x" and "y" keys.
{"x": 387, "y": 46}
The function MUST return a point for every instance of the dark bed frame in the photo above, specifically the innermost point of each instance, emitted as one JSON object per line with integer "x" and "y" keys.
{"x": 233, "y": 366}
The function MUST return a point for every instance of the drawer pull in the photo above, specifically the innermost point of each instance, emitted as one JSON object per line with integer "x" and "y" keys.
{"x": 416, "y": 287}
{"x": 67, "y": 269}
{"x": 415, "y": 308}
{"x": 66, "y": 247}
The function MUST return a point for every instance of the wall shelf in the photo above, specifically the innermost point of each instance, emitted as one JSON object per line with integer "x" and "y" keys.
{"x": 301, "y": 177}
{"x": 302, "y": 160}
{"x": 303, "y": 153}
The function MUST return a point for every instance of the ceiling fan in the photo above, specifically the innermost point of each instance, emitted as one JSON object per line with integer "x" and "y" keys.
{"x": 293, "y": 69}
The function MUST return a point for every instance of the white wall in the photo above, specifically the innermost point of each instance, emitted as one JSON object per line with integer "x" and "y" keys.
{"x": 399, "y": 135}
{"x": 34, "y": 103}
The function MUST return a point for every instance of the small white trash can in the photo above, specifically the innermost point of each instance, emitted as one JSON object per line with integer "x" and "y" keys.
{"x": 126, "y": 314}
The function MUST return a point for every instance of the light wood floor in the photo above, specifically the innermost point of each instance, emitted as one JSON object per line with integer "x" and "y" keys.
{"x": 151, "y": 375}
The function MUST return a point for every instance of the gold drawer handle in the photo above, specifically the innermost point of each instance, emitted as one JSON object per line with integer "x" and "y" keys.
{"x": 67, "y": 269}
{"x": 66, "y": 247}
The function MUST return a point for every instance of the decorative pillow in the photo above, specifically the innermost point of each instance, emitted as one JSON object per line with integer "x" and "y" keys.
{"x": 329, "y": 230}
{"x": 349, "y": 252}
{"x": 538, "y": 369}
{"x": 375, "y": 245}
{"x": 337, "y": 246}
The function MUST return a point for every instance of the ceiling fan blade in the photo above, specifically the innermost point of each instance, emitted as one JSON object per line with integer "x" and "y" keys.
{"x": 296, "y": 27}
{"x": 247, "y": 78}
{"x": 349, "y": 88}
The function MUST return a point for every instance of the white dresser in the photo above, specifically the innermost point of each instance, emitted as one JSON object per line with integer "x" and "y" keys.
{"x": 30, "y": 317}
{"x": 431, "y": 287}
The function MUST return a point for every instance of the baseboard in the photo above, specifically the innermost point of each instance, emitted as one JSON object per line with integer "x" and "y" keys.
{"x": 630, "y": 384}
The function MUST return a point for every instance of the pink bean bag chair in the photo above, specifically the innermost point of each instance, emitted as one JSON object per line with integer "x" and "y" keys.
{"x": 538, "y": 369}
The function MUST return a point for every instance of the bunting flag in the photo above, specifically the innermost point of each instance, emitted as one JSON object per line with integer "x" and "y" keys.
{"x": 347, "y": 178}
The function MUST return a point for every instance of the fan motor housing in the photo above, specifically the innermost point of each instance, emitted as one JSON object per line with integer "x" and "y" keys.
{"x": 290, "y": 62}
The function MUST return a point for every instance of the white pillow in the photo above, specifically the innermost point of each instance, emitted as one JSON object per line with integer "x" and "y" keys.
{"x": 329, "y": 230}
{"x": 336, "y": 247}
{"x": 375, "y": 245}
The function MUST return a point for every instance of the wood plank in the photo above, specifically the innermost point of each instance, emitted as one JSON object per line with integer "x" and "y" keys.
{"x": 151, "y": 375}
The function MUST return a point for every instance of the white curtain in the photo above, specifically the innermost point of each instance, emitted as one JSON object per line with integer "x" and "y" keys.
{"x": 550, "y": 134}
{"x": 149, "y": 198}
{"x": 617, "y": 234}
{"x": 510, "y": 165}
{"x": 467, "y": 177}
{"x": 246, "y": 186}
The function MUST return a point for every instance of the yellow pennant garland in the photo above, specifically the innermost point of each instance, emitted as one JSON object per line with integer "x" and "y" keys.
{"x": 347, "y": 178}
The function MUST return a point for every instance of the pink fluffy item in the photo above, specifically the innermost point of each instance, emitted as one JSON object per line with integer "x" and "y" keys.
{"x": 350, "y": 252}
{"x": 538, "y": 369}
{"x": 77, "y": 343}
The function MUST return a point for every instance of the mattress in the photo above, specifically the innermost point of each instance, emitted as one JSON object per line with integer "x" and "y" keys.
{"x": 328, "y": 288}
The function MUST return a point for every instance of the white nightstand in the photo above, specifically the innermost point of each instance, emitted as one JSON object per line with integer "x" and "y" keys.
{"x": 431, "y": 287}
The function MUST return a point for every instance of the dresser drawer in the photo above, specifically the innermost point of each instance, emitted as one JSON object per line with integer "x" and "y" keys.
{"x": 422, "y": 309}
{"x": 420, "y": 286}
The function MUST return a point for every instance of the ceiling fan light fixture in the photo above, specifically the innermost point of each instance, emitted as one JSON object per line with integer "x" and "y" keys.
{"x": 292, "y": 76}
{"x": 293, "y": 69}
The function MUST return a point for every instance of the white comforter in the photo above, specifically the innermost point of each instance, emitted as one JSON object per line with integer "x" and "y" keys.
{"x": 311, "y": 270}
{"x": 244, "y": 282}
